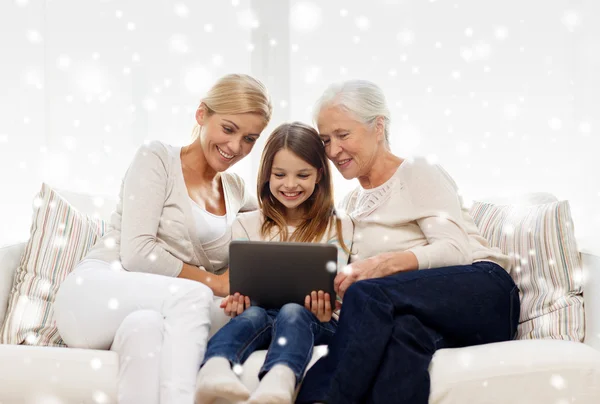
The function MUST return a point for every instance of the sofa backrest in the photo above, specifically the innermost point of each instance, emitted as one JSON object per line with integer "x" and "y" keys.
{"x": 10, "y": 256}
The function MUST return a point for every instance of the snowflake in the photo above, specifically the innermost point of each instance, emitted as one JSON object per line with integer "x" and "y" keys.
{"x": 149, "y": 104}
{"x": 469, "y": 32}
{"x": 571, "y": 20}
{"x": 558, "y": 382}
{"x": 585, "y": 128}
{"x": 34, "y": 37}
{"x": 116, "y": 266}
{"x": 305, "y": 17}
{"x": 248, "y": 19}
{"x": 238, "y": 369}
{"x": 555, "y": 123}
{"x": 178, "y": 43}
{"x": 217, "y": 60}
{"x": 181, "y": 10}
{"x": 347, "y": 269}
{"x": 406, "y": 37}
{"x": 22, "y": 3}
{"x": 100, "y": 397}
{"x": 63, "y": 62}
{"x": 501, "y": 33}
{"x": 362, "y": 23}
{"x": 343, "y": 12}
{"x": 465, "y": 359}
{"x": 282, "y": 341}
{"x": 119, "y": 14}
{"x": 96, "y": 363}
{"x": 509, "y": 229}
{"x": 197, "y": 79}
{"x": 208, "y": 28}
{"x": 113, "y": 304}
{"x": 31, "y": 339}
{"x": 331, "y": 266}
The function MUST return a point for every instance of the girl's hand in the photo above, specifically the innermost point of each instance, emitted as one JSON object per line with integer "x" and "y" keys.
{"x": 319, "y": 304}
{"x": 235, "y": 305}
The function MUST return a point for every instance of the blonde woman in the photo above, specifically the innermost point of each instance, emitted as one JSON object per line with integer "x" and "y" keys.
{"x": 145, "y": 288}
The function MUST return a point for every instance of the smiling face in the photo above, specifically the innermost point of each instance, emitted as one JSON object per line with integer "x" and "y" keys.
{"x": 292, "y": 181}
{"x": 351, "y": 145}
{"x": 226, "y": 139}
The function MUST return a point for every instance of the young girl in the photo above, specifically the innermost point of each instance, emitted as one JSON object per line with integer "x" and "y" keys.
{"x": 296, "y": 204}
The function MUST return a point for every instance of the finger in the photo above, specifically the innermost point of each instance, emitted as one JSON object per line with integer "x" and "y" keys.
{"x": 345, "y": 285}
{"x": 248, "y": 303}
{"x": 339, "y": 278}
{"x": 314, "y": 302}
{"x": 224, "y": 301}
{"x": 338, "y": 305}
{"x": 327, "y": 303}
{"x": 321, "y": 303}
{"x": 228, "y": 307}
{"x": 234, "y": 306}
{"x": 240, "y": 309}
{"x": 307, "y": 302}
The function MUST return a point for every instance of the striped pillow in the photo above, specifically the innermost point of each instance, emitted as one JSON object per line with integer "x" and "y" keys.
{"x": 60, "y": 238}
{"x": 546, "y": 265}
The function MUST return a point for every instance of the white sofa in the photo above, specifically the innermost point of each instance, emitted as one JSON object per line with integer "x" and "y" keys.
{"x": 532, "y": 372}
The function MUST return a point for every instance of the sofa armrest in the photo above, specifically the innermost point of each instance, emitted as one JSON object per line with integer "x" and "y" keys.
{"x": 10, "y": 258}
{"x": 217, "y": 316}
{"x": 590, "y": 258}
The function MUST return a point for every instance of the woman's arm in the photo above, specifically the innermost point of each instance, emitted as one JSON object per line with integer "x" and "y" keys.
{"x": 142, "y": 198}
{"x": 218, "y": 283}
{"x": 435, "y": 198}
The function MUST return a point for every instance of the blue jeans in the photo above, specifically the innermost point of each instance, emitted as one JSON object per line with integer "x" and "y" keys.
{"x": 290, "y": 333}
{"x": 390, "y": 328}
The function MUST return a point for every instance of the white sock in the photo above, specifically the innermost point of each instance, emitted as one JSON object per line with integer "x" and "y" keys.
{"x": 276, "y": 387}
{"x": 216, "y": 380}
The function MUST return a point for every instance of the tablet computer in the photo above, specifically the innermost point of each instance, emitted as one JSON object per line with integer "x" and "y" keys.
{"x": 272, "y": 274}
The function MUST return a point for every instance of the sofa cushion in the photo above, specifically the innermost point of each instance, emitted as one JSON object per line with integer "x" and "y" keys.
{"x": 57, "y": 375}
{"x": 546, "y": 266}
{"x": 519, "y": 372}
{"x": 542, "y": 371}
{"x": 60, "y": 237}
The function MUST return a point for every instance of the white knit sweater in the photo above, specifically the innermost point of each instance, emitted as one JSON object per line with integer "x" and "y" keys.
{"x": 419, "y": 210}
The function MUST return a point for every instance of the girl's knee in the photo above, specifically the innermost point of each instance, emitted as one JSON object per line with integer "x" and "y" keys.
{"x": 292, "y": 311}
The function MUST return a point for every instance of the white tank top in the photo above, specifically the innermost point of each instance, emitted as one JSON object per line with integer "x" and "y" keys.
{"x": 209, "y": 227}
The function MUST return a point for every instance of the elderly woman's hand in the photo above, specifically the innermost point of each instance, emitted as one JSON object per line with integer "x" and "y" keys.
{"x": 357, "y": 271}
{"x": 375, "y": 267}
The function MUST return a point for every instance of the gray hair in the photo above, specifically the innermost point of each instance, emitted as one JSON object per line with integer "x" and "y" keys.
{"x": 363, "y": 99}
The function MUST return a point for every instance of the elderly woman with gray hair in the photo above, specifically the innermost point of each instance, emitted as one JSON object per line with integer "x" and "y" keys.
{"x": 421, "y": 276}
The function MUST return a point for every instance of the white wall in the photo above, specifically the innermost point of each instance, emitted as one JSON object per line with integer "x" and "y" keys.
{"x": 504, "y": 94}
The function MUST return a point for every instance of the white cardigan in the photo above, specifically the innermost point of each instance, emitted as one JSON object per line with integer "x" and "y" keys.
{"x": 153, "y": 226}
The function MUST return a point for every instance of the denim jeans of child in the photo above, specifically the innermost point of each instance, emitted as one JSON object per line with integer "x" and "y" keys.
{"x": 289, "y": 333}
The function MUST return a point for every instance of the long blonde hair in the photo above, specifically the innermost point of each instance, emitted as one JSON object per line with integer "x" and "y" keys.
{"x": 303, "y": 141}
{"x": 237, "y": 94}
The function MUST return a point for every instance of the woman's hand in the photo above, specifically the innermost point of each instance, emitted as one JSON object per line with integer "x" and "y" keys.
{"x": 319, "y": 304}
{"x": 235, "y": 305}
{"x": 375, "y": 267}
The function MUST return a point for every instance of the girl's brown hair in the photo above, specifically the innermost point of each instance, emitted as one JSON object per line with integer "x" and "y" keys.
{"x": 320, "y": 215}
